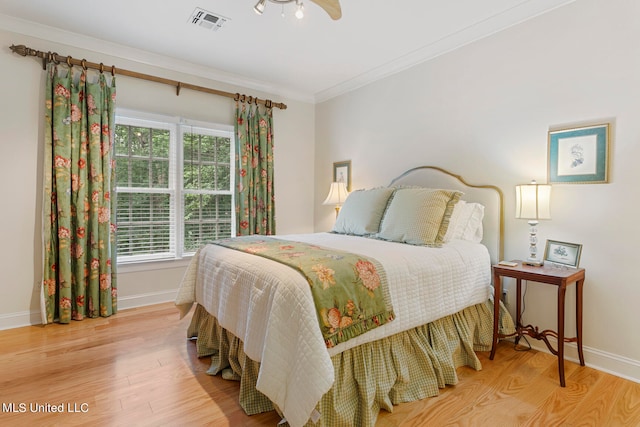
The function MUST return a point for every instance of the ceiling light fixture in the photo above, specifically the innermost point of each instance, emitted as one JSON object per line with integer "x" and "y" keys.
{"x": 259, "y": 7}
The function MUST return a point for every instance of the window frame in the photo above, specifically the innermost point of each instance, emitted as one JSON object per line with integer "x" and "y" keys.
{"x": 177, "y": 127}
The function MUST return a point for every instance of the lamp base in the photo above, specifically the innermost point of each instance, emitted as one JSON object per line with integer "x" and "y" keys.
{"x": 533, "y": 249}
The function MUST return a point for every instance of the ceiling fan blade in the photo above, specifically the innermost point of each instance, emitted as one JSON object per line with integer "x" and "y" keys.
{"x": 332, "y": 7}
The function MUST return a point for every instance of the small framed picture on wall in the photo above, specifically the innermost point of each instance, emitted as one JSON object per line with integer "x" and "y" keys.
{"x": 579, "y": 155}
{"x": 342, "y": 173}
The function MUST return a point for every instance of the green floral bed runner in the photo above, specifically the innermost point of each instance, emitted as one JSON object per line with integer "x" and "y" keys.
{"x": 350, "y": 291}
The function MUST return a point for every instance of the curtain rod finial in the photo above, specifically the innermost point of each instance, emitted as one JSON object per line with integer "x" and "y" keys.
{"x": 19, "y": 49}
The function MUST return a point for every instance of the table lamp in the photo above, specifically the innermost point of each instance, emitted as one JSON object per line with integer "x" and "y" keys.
{"x": 337, "y": 195}
{"x": 532, "y": 203}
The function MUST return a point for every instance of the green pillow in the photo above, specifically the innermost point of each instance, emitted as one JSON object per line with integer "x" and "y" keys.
{"x": 362, "y": 212}
{"x": 419, "y": 216}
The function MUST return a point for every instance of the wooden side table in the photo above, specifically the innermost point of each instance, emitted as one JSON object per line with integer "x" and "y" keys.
{"x": 560, "y": 277}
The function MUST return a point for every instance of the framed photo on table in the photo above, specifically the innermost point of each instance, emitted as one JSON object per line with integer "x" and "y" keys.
{"x": 579, "y": 155}
{"x": 342, "y": 173}
{"x": 562, "y": 253}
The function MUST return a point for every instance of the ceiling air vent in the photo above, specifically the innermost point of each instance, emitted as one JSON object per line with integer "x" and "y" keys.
{"x": 208, "y": 20}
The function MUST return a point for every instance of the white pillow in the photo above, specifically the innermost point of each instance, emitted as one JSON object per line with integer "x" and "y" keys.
{"x": 419, "y": 216}
{"x": 453, "y": 221}
{"x": 466, "y": 222}
{"x": 362, "y": 212}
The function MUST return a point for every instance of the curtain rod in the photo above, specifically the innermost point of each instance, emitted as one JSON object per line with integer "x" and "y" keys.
{"x": 54, "y": 57}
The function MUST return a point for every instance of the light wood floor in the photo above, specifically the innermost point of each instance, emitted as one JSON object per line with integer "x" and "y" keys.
{"x": 137, "y": 368}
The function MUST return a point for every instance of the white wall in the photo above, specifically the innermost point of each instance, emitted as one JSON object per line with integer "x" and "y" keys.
{"x": 21, "y": 118}
{"x": 483, "y": 111}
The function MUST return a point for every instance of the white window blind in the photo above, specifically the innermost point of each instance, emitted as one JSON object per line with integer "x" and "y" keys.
{"x": 175, "y": 181}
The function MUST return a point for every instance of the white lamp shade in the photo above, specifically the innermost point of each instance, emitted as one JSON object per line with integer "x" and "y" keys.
{"x": 533, "y": 201}
{"x": 337, "y": 194}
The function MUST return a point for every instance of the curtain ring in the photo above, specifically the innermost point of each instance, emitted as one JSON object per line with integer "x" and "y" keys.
{"x": 54, "y": 58}
{"x": 84, "y": 64}
{"x": 268, "y": 103}
{"x": 69, "y": 62}
{"x": 101, "y": 68}
{"x": 113, "y": 71}
{"x": 256, "y": 101}
{"x": 250, "y": 100}
{"x": 46, "y": 59}
{"x": 237, "y": 97}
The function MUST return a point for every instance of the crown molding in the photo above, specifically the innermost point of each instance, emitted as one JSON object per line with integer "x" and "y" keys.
{"x": 526, "y": 10}
{"x": 80, "y": 41}
{"x": 518, "y": 14}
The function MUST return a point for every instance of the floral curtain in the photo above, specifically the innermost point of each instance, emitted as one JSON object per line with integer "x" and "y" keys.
{"x": 79, "y": 277}
{"x": 255, "y": 207}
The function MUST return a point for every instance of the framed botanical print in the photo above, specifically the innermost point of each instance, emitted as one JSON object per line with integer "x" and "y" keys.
{"x": 579, "y": 155}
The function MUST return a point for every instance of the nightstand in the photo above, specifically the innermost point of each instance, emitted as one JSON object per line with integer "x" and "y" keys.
{"x": 557, "y": 276}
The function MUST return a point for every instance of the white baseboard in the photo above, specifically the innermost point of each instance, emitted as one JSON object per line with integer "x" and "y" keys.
{"x": 141, "y": 300}
{"x": 30, "y": 318}
{"x": 20, "y": 319}
{"x": 610, "y": 363}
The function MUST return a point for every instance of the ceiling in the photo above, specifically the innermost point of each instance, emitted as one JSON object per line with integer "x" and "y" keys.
{"x": 312, "y": 59}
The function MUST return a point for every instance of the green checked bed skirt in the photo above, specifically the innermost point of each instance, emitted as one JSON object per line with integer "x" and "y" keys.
{"x": 405, "y": 367}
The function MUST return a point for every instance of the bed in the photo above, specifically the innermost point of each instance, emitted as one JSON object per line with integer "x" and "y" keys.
{"x": 256, "y": 317}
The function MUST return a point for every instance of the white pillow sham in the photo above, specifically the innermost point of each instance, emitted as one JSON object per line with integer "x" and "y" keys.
{"x": 466, "y": 222}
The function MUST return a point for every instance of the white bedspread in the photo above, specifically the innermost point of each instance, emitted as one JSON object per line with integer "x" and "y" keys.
{"x": 270, "y": 308}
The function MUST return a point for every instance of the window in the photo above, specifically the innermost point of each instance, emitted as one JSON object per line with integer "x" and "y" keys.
{"x": 175, "y": 181}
